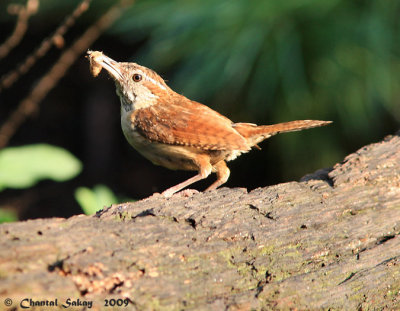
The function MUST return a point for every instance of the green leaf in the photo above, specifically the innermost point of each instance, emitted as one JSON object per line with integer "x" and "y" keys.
{"x": 91, "y": 200}
{"x": 7, "y": 216}
{"x": 22, "y": 167}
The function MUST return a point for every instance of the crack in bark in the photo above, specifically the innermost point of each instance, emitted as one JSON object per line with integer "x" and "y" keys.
{"x": 266, "y": 215}
{"x": 352, "y": 274}
{"x": 191, "y": 222}
{"x": 261, "y": 284}
{"x": 385, "y": 238}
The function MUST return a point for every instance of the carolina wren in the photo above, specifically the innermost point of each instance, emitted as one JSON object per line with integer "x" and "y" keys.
{"x": 175, "y": 132}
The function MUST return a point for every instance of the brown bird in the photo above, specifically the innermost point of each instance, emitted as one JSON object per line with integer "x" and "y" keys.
{"x": 175, "y": 132}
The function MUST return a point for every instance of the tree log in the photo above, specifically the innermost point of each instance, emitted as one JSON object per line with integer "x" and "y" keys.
{"x": 328, "y": 242}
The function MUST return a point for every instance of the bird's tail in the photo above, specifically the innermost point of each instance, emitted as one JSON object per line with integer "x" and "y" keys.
{"x": 255, "y": 134}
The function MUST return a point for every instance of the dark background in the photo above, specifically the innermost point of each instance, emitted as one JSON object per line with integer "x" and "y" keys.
{"x": 262, "y": 62}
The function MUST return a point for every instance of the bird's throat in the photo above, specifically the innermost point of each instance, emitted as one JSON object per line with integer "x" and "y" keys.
{"x": 126, "y": 105}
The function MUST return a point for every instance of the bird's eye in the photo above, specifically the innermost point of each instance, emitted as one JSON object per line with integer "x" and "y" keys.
{"x": 137, "y": 77}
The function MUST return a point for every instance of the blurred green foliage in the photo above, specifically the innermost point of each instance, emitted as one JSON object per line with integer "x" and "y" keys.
{"x": 7, "y": 216}
{"x": 22, "y": 167}
{"x": 92, "y": 200}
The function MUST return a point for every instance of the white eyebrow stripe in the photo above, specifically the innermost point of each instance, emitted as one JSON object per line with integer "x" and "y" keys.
{"x": 155, "y": 82}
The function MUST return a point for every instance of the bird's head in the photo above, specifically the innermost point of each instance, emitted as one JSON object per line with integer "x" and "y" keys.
{"x": 137, "y": 86}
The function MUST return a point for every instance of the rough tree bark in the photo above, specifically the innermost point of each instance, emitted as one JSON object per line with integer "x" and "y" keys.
{"x": 330, "y": 242}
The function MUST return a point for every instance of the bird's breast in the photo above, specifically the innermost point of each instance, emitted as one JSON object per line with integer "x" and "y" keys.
{"x": 169, "y": 156}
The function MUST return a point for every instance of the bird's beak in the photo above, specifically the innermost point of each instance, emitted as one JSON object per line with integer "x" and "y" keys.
{"x": 98, "y": 61}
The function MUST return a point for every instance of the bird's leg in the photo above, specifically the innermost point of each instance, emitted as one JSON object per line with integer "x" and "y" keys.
{"x": 205, "y": 169}
{"x": 223, "y": 173}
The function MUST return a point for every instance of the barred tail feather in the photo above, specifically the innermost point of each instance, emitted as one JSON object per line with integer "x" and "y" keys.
{"x": 255, "y": 134}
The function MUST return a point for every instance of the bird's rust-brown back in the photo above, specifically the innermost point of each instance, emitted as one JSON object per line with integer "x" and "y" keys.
{"x": 177, "y": 120}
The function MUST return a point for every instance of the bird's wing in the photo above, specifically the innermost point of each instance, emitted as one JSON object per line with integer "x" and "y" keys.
{"x": 179, "y": 121}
